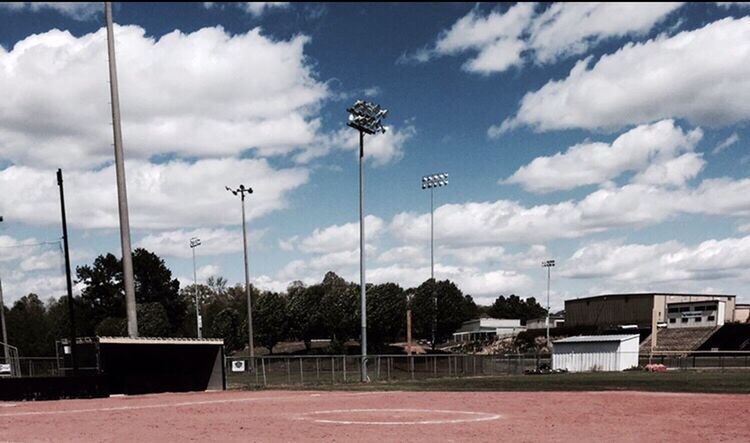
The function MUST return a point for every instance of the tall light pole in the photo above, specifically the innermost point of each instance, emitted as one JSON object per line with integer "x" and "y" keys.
{"x": 241, "y": 191}
{"x": 549, "y": 264}
{"x": 6, "y": 352}
{"x": 122, "y": 192}
{"x": 194, "y": 243}
{"x": 431, "y": 182}
{"x": 366, "y": 118}
{"x": 68, "y": 279}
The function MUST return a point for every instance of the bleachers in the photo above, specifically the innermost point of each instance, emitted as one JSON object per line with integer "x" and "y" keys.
{"x": 678, "y": 339}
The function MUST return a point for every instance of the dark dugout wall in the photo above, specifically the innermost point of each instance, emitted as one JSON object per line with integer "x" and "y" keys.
{"x": 145, "y": 365}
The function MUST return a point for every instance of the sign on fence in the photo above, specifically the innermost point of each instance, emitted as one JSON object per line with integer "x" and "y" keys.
{"x": 238, "y": 366}
{"x": 4, "y": 369}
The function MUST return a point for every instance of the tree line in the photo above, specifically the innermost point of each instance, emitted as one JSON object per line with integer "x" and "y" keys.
{"x": 329, "y": 310}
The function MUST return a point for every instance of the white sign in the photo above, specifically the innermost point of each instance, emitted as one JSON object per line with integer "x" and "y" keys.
{"x": 238, "y": 366}
{"x": 4, "y": 369}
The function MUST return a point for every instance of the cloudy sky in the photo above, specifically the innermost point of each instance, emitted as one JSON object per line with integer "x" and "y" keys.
{"x": 612, "y": 138}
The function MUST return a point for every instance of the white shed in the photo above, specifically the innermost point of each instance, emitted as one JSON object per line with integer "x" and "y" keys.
{"x": 596, "y": 353}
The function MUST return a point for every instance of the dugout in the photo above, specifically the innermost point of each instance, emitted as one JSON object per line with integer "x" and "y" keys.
{"x": 149, "y": 365}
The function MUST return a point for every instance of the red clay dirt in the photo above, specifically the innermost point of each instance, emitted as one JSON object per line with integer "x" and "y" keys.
{"x": 383, "y": 416}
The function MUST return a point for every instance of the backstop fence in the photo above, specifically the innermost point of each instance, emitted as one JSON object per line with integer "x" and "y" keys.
{"x": 338, "y": 369}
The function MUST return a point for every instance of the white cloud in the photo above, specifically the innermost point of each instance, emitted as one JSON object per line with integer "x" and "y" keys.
{"x": 641, "y": 266}
{"x": 75, "y": 10}
{"x": 338, "y": 238}
{"x": 255, "y": 9}
{"x": 701, "y": 75}
{"x": 634, "y": 205}
{"x": 381, "y": 149}
{"x": 189, "y": 95}
{"x": 566, "y": 29}
{"x": 204, "y": 272}
{"x": 213, "y": 242}
{"x": 501, "y": 40}
{"x": 732, "y": 139}
{"x": 176, "y": 194}
{"x": 654, "y": 146}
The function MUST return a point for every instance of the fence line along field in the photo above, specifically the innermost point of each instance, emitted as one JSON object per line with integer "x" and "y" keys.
{"x": 382, "y": 416}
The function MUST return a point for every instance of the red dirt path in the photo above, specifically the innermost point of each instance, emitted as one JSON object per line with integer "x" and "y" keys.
{"x": 292, "y": 415}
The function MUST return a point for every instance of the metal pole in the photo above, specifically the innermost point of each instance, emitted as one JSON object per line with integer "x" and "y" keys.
{"x": 122, "y": 193}
{"x": 197, "y": 303}
{"x": 68, "y": 280}
{"x": 432, "y": 268}
{"x": 6, "y": 351}
{"x": 247, "y": 289}
{"x": 547, "y": 322}
{"x": 363, "y": 290}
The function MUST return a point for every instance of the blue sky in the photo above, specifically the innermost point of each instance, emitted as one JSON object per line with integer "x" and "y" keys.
{"x": 609, "y": 137}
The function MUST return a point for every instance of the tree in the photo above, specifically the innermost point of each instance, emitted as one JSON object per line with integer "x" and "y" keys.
{"x": 227, "y": 325}
{"x": 452, "y": 309}
{"x": 305, "y": 319}
{"x": 28, "y": 328}
{"x": 339, "y": 313}
{"x": 515, "y": 308}
{"x": 272, "y": 321}
{"x": 153, "y": 320}
{"x": 103, "y": 294}
{"x": 386, "y": 314}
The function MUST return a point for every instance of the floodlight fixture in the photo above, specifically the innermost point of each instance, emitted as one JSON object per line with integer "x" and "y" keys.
{"x": 366, "y": 117}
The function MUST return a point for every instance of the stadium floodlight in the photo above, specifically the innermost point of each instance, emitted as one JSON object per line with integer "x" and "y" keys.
{"x": 194, "y": 243}
{"x": 367, "y": 118}
{"x": 431, "y": 182}
{"x": 548, "y": 264}
{"x": 241, "y": 191}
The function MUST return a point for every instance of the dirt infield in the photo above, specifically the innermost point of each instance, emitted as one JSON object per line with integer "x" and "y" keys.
{"x": 383, "y": 416}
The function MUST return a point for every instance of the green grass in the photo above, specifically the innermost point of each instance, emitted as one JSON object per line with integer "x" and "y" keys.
{"x": 737, "y": 381}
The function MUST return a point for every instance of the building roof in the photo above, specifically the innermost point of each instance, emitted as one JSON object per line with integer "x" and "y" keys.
{"x": 160, "y": 341}
{"x": 597, "y": 338}
{"x": 650, "y": 294}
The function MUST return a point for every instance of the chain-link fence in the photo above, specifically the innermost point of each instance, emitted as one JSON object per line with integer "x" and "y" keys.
{"x": 9, "y": 362}
{"x": 338, "y": 369}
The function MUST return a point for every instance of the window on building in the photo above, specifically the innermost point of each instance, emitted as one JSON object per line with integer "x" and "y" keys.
{"x": 685, "y": 320}
{"x": 711, "y": 318}
{"x": 698, "y": 319}
{"x": 673, "y": 320}
{"x": 673, "y": 310}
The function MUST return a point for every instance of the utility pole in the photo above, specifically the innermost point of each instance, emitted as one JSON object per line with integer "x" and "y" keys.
{"x": 122, "y": 192}
{"x": 548, "y": 264}
{"x": 6, "y": 351}
{"x": 366, "y": 118}
{"x": 241, "y": 191}
{"x": 195, "y": 242}
{"x": 68, "y": 280}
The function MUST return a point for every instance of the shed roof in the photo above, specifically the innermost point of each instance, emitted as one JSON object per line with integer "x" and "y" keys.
{"x": 160, "y": 340}
{"x": 597, "y": 338}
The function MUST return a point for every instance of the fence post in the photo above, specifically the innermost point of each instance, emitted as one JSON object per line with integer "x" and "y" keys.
{"x": 317, "y": 368}
{"x": 301, "y": 375}
{"x": 288, "y": 373}
{"x": 343, "y": 359}
{"x": 333, "y": 376}
{"x": 263, "y": 368}
{"x": 377, "y": 371}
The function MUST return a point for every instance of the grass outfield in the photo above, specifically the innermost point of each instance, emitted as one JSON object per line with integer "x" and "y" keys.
{"x": 725, "y": 382}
